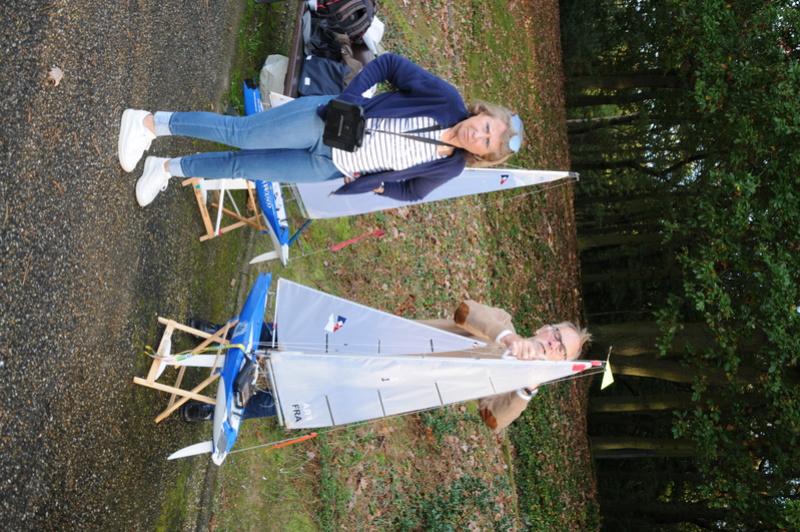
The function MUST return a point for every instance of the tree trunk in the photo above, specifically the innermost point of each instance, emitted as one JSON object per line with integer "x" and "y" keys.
{"x": 670, "y": 512}
{"x": 636, "y": 447}
{"x": 639, "y": 338}
{"x": 580, "y": 126}
{"x": 669, "y": 401}
{"x": 617, "y": 239}
{"x": 624, "y": 80}
{"x": 588, "y": 166}
{"x": 584, "y": 100}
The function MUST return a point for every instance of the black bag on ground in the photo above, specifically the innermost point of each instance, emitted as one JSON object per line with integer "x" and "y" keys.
{"x": 352, "y": 17}
{"x": 323, "y": 42}
{"x": 344, "y": 125}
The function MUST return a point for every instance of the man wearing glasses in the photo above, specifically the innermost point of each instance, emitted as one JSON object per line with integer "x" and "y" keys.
{"x": 558, "y": 342}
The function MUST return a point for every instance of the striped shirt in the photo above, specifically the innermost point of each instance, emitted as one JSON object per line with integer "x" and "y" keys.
{"x": 382, "y": 152}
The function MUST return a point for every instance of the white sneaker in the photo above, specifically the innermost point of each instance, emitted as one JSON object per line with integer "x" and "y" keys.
{"x": 154, "y": 179}
{"x": 134, "y": 138}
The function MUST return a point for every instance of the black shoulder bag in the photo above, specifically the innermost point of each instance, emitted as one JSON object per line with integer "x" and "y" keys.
{"x": 345, "y": 126}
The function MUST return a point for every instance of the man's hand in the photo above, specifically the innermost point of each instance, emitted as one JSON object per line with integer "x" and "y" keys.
{"x": 521, "y": 348}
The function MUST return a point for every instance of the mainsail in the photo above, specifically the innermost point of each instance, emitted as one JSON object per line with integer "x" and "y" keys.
{"x": 325, "y": 390}
{"x": 319, "y": 203}
{"x": 339, "y": 362}
{"x": 311, "y": 321}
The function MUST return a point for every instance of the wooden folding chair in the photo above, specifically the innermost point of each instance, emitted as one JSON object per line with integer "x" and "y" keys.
{"x": 201, "y": 188}
{"x": 198, "y": 359}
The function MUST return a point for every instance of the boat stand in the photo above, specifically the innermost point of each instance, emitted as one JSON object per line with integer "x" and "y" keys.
{"x": 220, "y": 187}
{"x": 213, "y": 361}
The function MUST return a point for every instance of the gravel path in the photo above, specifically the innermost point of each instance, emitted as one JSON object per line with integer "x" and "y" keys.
{"x": 84, "y": 270}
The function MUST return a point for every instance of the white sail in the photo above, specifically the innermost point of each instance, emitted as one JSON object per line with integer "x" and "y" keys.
{"x": 325, "y": 390}
{"x": 311, "y": 321}
{"x": 319, "y": 203}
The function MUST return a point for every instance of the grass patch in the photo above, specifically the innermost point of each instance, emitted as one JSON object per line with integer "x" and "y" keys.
{"x": 262, "y": 32}
{"x": 174, "y": 510}
{"x": 539, "y": 439}
{"x": 273, "y": 489}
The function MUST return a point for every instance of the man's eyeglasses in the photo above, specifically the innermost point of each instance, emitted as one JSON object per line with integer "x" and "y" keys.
{"x": 561, "y": 349}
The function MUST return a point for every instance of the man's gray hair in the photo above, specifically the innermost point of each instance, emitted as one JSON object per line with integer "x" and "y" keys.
{"x": 584, "y": 335}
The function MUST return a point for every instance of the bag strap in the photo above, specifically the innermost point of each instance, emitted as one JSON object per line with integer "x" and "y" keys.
{"x": 417, "y": 137}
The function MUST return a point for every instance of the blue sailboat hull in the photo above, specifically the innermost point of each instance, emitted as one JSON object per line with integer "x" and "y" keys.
{"x": 227, "y": 414}
{"x": 269, "y": 192}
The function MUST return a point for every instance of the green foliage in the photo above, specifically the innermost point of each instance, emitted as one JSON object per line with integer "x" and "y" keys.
{"x": 538, "y": 438}
{"x": 452, "y": 508}
{"x": 418, "y": 501}
{"x": 332, "y": 495}
{"x": 441, "y": 421}
{"x": 722, "y": 144}
{"x": 260, "y": 34}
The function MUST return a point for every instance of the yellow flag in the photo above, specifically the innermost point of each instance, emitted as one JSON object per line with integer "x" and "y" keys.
{"x": 608, "y": 378}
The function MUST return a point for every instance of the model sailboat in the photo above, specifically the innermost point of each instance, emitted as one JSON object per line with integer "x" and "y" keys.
{"x": 339, "y": 362}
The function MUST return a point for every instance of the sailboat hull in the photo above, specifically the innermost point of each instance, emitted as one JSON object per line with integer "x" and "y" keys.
{"x": 227, "y": 413}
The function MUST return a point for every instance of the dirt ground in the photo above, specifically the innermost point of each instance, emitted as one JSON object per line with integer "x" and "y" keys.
{"x": 83, "y": 269}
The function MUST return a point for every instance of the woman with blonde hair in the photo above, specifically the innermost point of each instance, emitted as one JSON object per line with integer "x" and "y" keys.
{"x": 419, "y": 136}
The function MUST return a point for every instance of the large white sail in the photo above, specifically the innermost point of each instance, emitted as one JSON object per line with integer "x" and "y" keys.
{"x": 311, "y": 321}
{"x": 319, "y": 203}
{"x": 325, "y": 390}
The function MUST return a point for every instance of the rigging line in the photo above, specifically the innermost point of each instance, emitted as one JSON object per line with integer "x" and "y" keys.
{"x": 539, "y": 189}
{"x": 585, "y": 373}
{"x": 310, "y": 253}
{"x": 560, "y": 183}
{"x": 488, "y": 349}
{"x": 415, "y": 349}
{"x": 468, "y": 354}
{"x": 338, "y": 428}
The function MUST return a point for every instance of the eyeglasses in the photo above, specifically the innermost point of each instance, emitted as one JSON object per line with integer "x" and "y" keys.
{"x": 516, "y": 141}
{"x": 556, "y": 334}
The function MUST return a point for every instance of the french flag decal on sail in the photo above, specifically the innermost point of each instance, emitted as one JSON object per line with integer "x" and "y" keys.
{"x": 335, "y": 324}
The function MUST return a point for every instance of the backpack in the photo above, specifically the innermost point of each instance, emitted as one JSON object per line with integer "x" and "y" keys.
{"x": 352, "y": 17}
{"x": 323, "y": 41}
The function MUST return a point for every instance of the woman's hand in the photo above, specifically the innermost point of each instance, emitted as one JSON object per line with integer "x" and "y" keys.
{"x": 348, "y": 179}
{"x": 378, "y": 190}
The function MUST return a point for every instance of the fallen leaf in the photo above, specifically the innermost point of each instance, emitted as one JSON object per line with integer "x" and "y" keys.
{"x": 55, "y": 74}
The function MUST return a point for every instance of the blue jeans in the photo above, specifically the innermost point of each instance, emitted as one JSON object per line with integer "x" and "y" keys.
{"x": 280, "y": 144}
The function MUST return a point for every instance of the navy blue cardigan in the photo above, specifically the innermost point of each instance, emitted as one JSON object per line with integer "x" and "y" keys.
{"x": 419, "y": 93}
